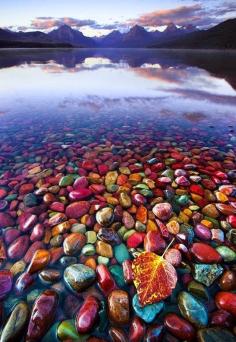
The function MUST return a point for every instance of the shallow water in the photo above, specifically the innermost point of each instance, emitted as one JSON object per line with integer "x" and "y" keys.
{"x": 154, "y": 112}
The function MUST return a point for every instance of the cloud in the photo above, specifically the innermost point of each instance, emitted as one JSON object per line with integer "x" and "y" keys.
{"x": 45, "y": 23}
{"x": 181, "y": 15}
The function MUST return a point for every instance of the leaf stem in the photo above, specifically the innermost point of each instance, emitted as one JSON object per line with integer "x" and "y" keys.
{"x": 168, "y": 247}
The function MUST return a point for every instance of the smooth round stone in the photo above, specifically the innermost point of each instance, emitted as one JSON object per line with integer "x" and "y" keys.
{"x": 80, "y": 182}
{"x": 91, "y": 236}
{"x": 173, "y": 256}
{"x": 42, "y": 315}
{"x": 211, "y": 211}
{"x": 104, "y": 249}
{"x": 163, "y": 211}
{"x": 179, "y": 327}
{"x": 26, "y": 188}
{"x": 80, "y": 194}
{"x": 155, "y": 334}
{"x": 205, "y": 253}
{"x": 105, "y": 280}
{"x": 192, "y": 309}
{"x": 111, "y": 177}
{"x": 6, "y": 282}
{"x": 109, "y": 236}
{"x": 79, "y": 277}
{"x": 226, "y": 301}
{"x": 117, "y": 335}
{"x": 105, "y": 216}
{"x": 148, "y": 312}
{"x": 228, "y": 281}
{"x": 56, "y": 241}
{"x": 18, "y": 248}
{"x": 66, "y": 331}
{"x": 198, "y": 289}
{"x": 74, "y": 243}
{"x": 68, "y": 260}
{"x": 30, "y": 200}
{"x": 226, "y": 209}
{"x": 87, "y": 315}
{"x": 40, "y": 259}
{"x": 78, "y": 228}
{"x": 103, "y": 260}
{"x": 51, "y": 335}
{"x": 118, "y": 307}
{"x": 10, "y": 235}
{"x": 6, "y": 220}
{"x": 226, "y": 253}
{"x": 182, "y": 181}
{"x": 49, "y": 276}
{"x": 88, "y": 250}
{"x": 215, "y": 335}
{"x": 16, "y": 323}
{"x": 77, "y": 209}
{"x": 121, "y": 253}
{"x": 3, "y": 205}
{"x": 140, "y": 227}
{"x": 173, "y": 227}
{"x": 117, "y": 273}
{"x": 125, "y": 200}
{"x": 66, "y": 180}
{"x": 153, "y": 242}
{"x": 128, "y": 220}
{"x": 202, "y": 232}
{"x": 206, "y": 273}
{"x": 23, "y": 282}
{"x": 137, "y": 330}
{"x": 18, "y": 267}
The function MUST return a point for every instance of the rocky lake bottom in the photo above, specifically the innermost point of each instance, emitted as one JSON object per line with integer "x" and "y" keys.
{"x": 117, "y": 196}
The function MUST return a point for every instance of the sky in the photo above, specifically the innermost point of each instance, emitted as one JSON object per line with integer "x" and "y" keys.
{"x": 98, "y": 17}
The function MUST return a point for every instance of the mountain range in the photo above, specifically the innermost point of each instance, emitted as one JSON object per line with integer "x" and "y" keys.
{"x": 220, "y": 36}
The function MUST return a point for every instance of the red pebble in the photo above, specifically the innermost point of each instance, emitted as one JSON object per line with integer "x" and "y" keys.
{"x": 127, "y": 271}
{"x": 87, "y": 315}
{"x": 137, "y": 330}
{"x": 179, "y": 327}
{"x": 153, "y": 242}
{"x": 135, "y": 240}
{"x": 205, "y": 253}
{"x": 226, "y": 301}
{"x": 105, "y": 280}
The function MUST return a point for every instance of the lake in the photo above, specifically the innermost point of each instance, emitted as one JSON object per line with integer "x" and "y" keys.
{"x": 105, "y": 154}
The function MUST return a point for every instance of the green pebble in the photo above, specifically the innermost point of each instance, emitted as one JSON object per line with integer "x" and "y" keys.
{"x": 198, "y": 289}
{"x": 183, "y": 200}
{"x": 103, "y": 321}
{"x": 51, "y": 335}
{"x": 117, "y": 273}
{"x": 112, "y": 188}
{"x": 140, "y": 227}
{"x": 103, "y": 260}
{"x": 10, "y": 198}
{"x": 122, "y": 231}
{"x": 78, "y": 228}
{"x": 146, "y": 193}
{"x": 66, "y": 180}
{"x": 88, "y": 249}
{"x": 227, "y": 253}
{"x": 67, "y": 331}
{"x": 121, "y": 253}
{"x": 128, "y": 234}
{"x": 91, "y": 236}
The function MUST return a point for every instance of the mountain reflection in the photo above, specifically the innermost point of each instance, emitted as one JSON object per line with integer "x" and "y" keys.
{"x": 148, "y": 63}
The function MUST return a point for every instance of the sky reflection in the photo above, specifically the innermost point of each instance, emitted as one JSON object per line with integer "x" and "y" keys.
{"x": 123, "y": 81}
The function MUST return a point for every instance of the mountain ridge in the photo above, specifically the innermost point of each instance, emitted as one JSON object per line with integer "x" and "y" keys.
{"x": 220, "y": 36}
